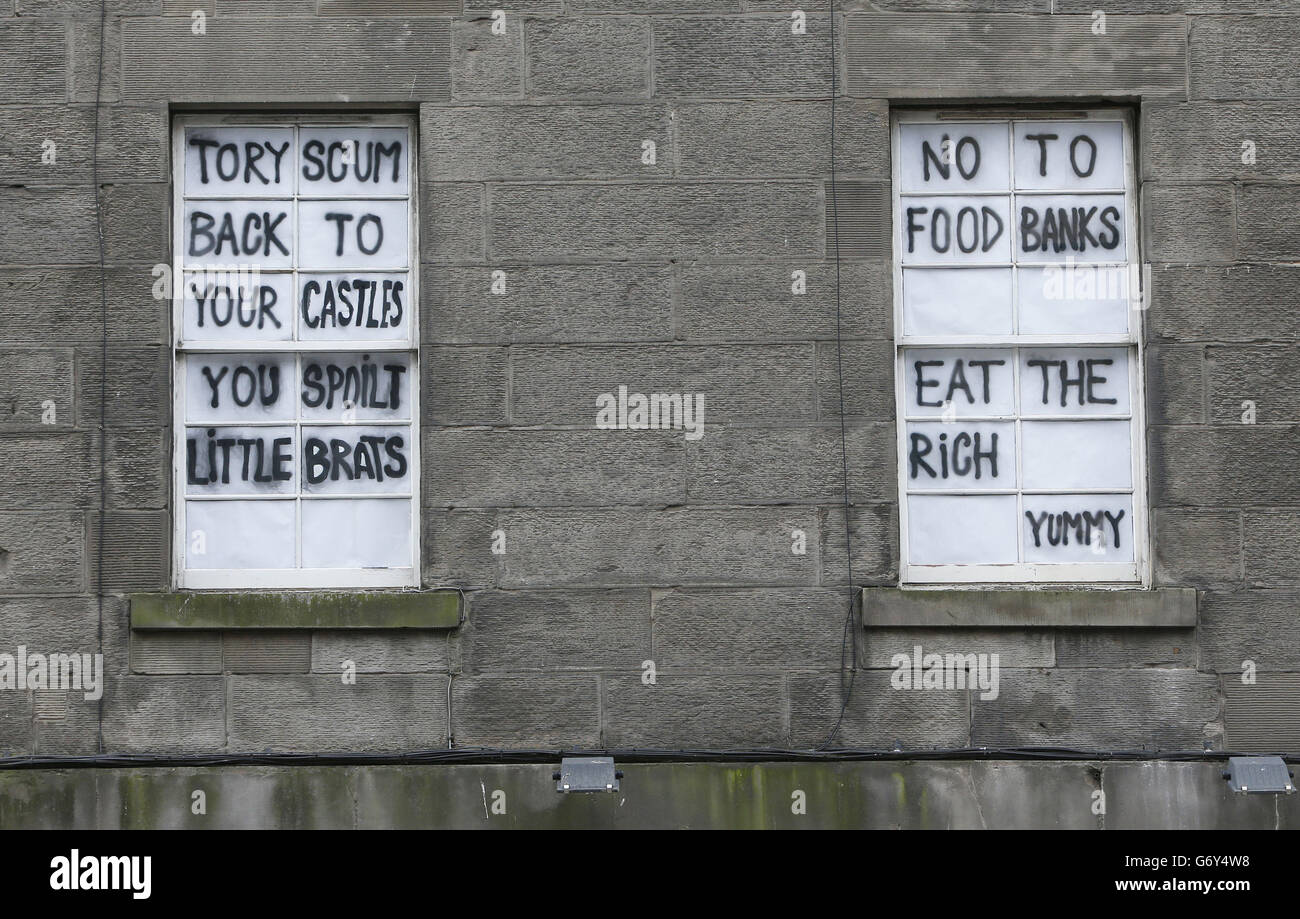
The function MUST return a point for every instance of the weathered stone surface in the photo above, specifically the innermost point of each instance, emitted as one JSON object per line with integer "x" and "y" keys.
{"x": 138, "y": 389}
{"x": 322, "y": 713}
{"x": 739, "y": 383}
{"x": 1187, "y": 141}
{"x": 36, "y": 389}
{"x": 1100, "y": 709}
{"x": 1266, "y": 217}
{"x": 509, "y": 631}
{"x": 486, "y": 66}
{"x": 1260, "y": 716}
{"x": 61, "y": 470}
{"x": 1126, "y": 648}
{"x": 266, "y": 651}
{"x": 1183, "y": 796}
{"x": 265, "y": 610}
{"x": 239, "y": 59}
{"x": 741, "y": 57}
{"x": 1264, "y": 376}
{"x": 1169, "y": 607}
{"x": 132, "y": 144}
{"x": 469, "y": 468}
{"x": 456, "y": 548}
{"x": 380, "y": 651}
{"x": 41, "y": 305}
{"x": 59, "y": 226}
{"x": 1016, "y": 648}
{"x": 1197, "y": 547}
{"x": 547, "y": 303}
{"x": 175, "y": 652}
{"x": 1231, "y": 304}
{"x": 774, "y": 629}
{"x": 451, "y": 220}
{"x": 1271, "y": 548}
{"x": 669, "y": 547}
{"x": 46, "y": 625}
{"x": 534, "y": 711}
{"x": 874, "y": 537}
{"x": 137, "y": 550}
{"x": 929, "y": 56}
{"x": 180, "y": 714}
{"x": 1240, "y": 465}
{"x": 41, "y": 551}
{"x": 878, "y": 715}
{"x": 381, "y": 7}
{"x": 867, "y": 371}
{"x": 463, "y": 385}
{"x": 695, "y": 712}
{"x": 546, "y": 142}
{"x": 756, "y": 302}
{"x": 1243, "y": 57}
{"x": 35, "y": 61}
{"x": 1189, "y": 223}
{"x": 590, "y": 57}
{"x": 1250, "y": 625}
{"x": 1175, "y": 385}
{"x": 655, "y": 221}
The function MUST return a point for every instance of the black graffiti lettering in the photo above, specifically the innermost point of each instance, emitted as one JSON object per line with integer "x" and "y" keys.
{"x": 975, "y": 229}
{"x": 233, "y": 151}
{"x": 261, "y": 308}
{"x": 201, "y": 224}
{"x": 912, "y": 227}
{"x": 228, "y": 162}
{"x": 393, "y": 447}
{"x": 338, "y": 458}
{"x": 202, "y": 143}
{"x": 928, "y": 156}
{"x": 951, "y": 458}
{"x": 246, "y": 384}
{"x": 1036, "y": 523}
{"x": 1084, "y": 382}
{"x": 1113, "y": 520}
{"x": 379, "y": 233}
{"x": 1084, "y": 525}
{"x": 1095, "y": 380}
{"x": 975, "y": 166}
{"x": 1108, "y": 217}
{"x": 958, "y": 381}
{"x": 357, "y": 385}
{"x": 257, "y": 236}
{"x": 984, "y": 366}
{"x": 922, "y": 383}
{"x": 1041, "y": 140}
{"x": 311, "y": 152}
{"x": 214, "y": 382}
{"x": 921, "y": 447}
{"x": 1065, "y": 228}
{"x": 934, "y": 229}
{"x": 368, "y": 161}
{"x": 1092, "y": 160}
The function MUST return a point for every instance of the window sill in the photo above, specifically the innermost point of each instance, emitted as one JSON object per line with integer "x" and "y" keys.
{"x": 892, "y": 607}
{"x": 425, "y": 609}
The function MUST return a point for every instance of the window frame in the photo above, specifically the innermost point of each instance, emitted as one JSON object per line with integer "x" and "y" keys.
{"x": 292, "y": 578}
{"x": 1115, "y": 575}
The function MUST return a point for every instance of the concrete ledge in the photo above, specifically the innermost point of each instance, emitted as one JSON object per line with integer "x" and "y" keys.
{"x": 428, "y": 609}
{"x": 890, "y": 607}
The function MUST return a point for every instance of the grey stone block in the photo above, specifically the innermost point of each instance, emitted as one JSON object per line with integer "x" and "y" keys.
{"x": 17, "y": 737}
{"x": 959, "y": 607}
{"x": 1100, "y": 709}
{"x": 518, "y": 7}
{"x": 695, "y": 712}
{"x": 89, "y": 7}
{"x": 132, "y": 144}
{"x": 170, "y": 653}
{"x": 1197, "y": 547}
{"x": 451, "y": 220}
{"x": 1127, "y": 648}
{"x": 1266, "y": 218}
{"x": 229, "y": 8}
{"x": 756, "y": 302}
{"x": 1156, "y": 796}
{"x": 380, "y": 651}
{"x": 1264, "y": 376}
{"x": 669, "y": 547}
{"x": 656, "y": 6}
{"x": 588, "y": 58}
{"x": 1233, "y": 304}
{"x": 927, "y": 56}
{"x": 35, "y": 61}
{"x": 61, "y": 470}
{"x": 463, "y": 385}
{"x": 84, "y": 77}
{"x": 739, "y": 383}
{"x": 556, "y": 630}
{"x": 1250, "y": 625}
{"x": 1271, "y": 548}
{"x": 320, "y": 713}
{"x": 59, "y": 226}
{"x": 40, "y": 305}
{"x": 728, "y": 140}
{"x": 531, "y": 712}
{"x": 385, "y": 7}
{"x": 41, "y": 551}
{"x": 36, "y": 389}
{"x": 1016, "y": 648}
{"x": 878, "y": 715}
{"x": 456, "y": 548}
{"x": 1175, "y": 385}
{"x": 1260, "y": 717}
{"x": 741, "y": 57}
{"x": 1189, "y": 141}
{"x": 138, "y": 388}
{"x": 804, "y": 465}
{"x": 547, "y": 303}
{"x": 137, "y": 550}
{"x": 181, "y": 714}
{"x": 467, "y": 468}
{"x": 266, "y": 651}
{"x": 486, "y": 66}
{"x": 655, "y": 221}
{"x": 546, "y": 142}
{"x": 241, "y": 59}
{"x": 867, "y": 370}
{"x": 774, "y": 629}
{"x": 1189, "y": 223}
{"x": 1224, "y": 466}
{"x": 46, "y": 625}
{"x": 874, "y": 538}
{"x": 857, "y": 219}
{"x": 1243, "y": 57}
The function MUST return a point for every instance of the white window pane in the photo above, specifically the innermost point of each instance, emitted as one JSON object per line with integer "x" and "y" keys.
{"x": 239, "y": 387}
{"x": 357, "y": 459}
{"x": 1079, "y": 529}
{"x": 969, "y": 301}
{"x": 1087, "y": 228}
{"x": 1070, "y": 154}
{"x": 239, "y": 534}
{"x": 1074, "y": 381}
{"x": 236, "y": 305}
{"x": 353, "y": 161}
{"x": 356, "y": 387}
{"x": 239, "y": 461}
{"x": 360, "y": 234}
{"x": 1076, "y": 299}
{"x": 238, "y": 233}
{"x": 357, "y": 306}
{"x": 962, "y": 455}
{"x": 961, "y": 529}
{"x": 949, "y": 157}
{"x": 239, "y": 162}
{"x": 1076, "y": 454}
{"x": 955, "y": 230}
{"x": 350, "y": 533}
{"x": 958, "y": 382}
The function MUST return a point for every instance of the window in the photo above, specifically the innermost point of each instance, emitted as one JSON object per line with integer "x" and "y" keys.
{"x": 1018, "y": 348}
{"x": 296, "y": 390}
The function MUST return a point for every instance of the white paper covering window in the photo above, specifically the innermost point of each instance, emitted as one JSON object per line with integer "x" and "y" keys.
{"x": 1018, "y": 349}
{"x": 297, "y": 447}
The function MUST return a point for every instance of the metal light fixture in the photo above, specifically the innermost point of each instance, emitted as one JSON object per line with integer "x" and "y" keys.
{"x": 587, "y": 773}
{"x": 1259, "y": 775}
